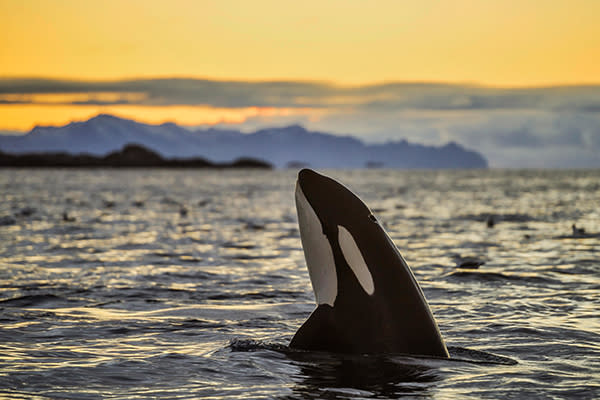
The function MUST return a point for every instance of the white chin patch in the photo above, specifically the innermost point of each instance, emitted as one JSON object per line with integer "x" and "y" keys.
{"x": 317, "y": 252}
{"x": 355, "y": 260}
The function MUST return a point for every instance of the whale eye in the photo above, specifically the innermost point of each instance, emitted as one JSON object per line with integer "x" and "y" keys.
{"x": 372, "y": 218}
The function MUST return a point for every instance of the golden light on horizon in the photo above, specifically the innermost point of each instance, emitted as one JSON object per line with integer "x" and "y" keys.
{"x": 496, "y": 43}
{"x": 26, "y": 117}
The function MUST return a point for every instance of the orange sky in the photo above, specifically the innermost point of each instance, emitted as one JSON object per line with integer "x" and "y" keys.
{"x": 496, "y": 43}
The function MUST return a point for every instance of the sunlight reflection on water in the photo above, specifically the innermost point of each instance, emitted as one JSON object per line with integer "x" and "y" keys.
{"x": 134, "y": 297}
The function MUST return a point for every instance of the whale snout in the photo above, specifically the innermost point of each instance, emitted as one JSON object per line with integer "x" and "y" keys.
{"x": 307, "y": 176}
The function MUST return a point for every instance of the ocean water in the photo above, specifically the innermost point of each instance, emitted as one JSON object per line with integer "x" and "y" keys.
{"x": 189, "y": 284}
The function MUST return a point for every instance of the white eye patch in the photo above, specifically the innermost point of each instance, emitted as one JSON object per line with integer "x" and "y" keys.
{"x": 355, "y": 260}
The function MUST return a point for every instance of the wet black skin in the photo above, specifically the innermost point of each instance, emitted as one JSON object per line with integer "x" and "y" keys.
{"x": 396, "y": 317}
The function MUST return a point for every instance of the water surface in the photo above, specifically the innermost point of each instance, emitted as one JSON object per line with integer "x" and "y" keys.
{"x": 189, "y": 284}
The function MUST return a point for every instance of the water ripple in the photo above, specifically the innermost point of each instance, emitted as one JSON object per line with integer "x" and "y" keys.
{"x": 180, "y": 284}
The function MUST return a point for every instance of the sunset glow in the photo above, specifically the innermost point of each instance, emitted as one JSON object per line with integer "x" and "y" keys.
{"x": 26, "y": 117}
{"x": 490, "y": 42}
{"x": 348, "y": 67}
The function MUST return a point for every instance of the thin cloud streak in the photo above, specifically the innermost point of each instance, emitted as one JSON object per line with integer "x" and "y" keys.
{"x": 289, "y": 94}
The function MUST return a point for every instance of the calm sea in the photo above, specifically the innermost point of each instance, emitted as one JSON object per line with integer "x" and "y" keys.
{"x": 189, "y": 284}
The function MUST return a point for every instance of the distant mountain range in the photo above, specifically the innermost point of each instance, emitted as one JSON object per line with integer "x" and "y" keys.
{"x": 291, "y": 145}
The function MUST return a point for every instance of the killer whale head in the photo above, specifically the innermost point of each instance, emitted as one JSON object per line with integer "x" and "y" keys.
{"x": 326, "y": 212}
{"x": 368, "y": 300}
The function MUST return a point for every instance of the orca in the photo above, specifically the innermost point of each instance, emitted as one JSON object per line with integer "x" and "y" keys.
{"x": 368, "y": 300}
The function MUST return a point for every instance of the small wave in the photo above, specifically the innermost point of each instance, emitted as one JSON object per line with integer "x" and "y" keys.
{"x": 500, "y": 277}
{"x": 508, "y": 217}
{"x": 578, "y": 236}
{"x": 32, "y": 300}
{"x": 252, "y": 257}
{"x": 239, "y": 245}
{"x": 244, "y": 345}
{"x": 194, "y": 323}
{"x": 274, "y": 294}
{"x": 457, "y": 354}
{"x": 468, "y": 262}
{"x": 7, "y": 220}
{"x": 478, "y": 357}
{"x": 195, "y": 275}
{"x": 187, "y": 326}
{"x": 484, "y": 276}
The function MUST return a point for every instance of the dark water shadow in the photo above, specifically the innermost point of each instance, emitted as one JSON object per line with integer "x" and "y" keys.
{"x": 325, "y": 375}
{"x": 334, "y": 376}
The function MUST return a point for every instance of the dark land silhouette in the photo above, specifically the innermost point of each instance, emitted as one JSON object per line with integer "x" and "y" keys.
{"x": 131, "y": 156}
